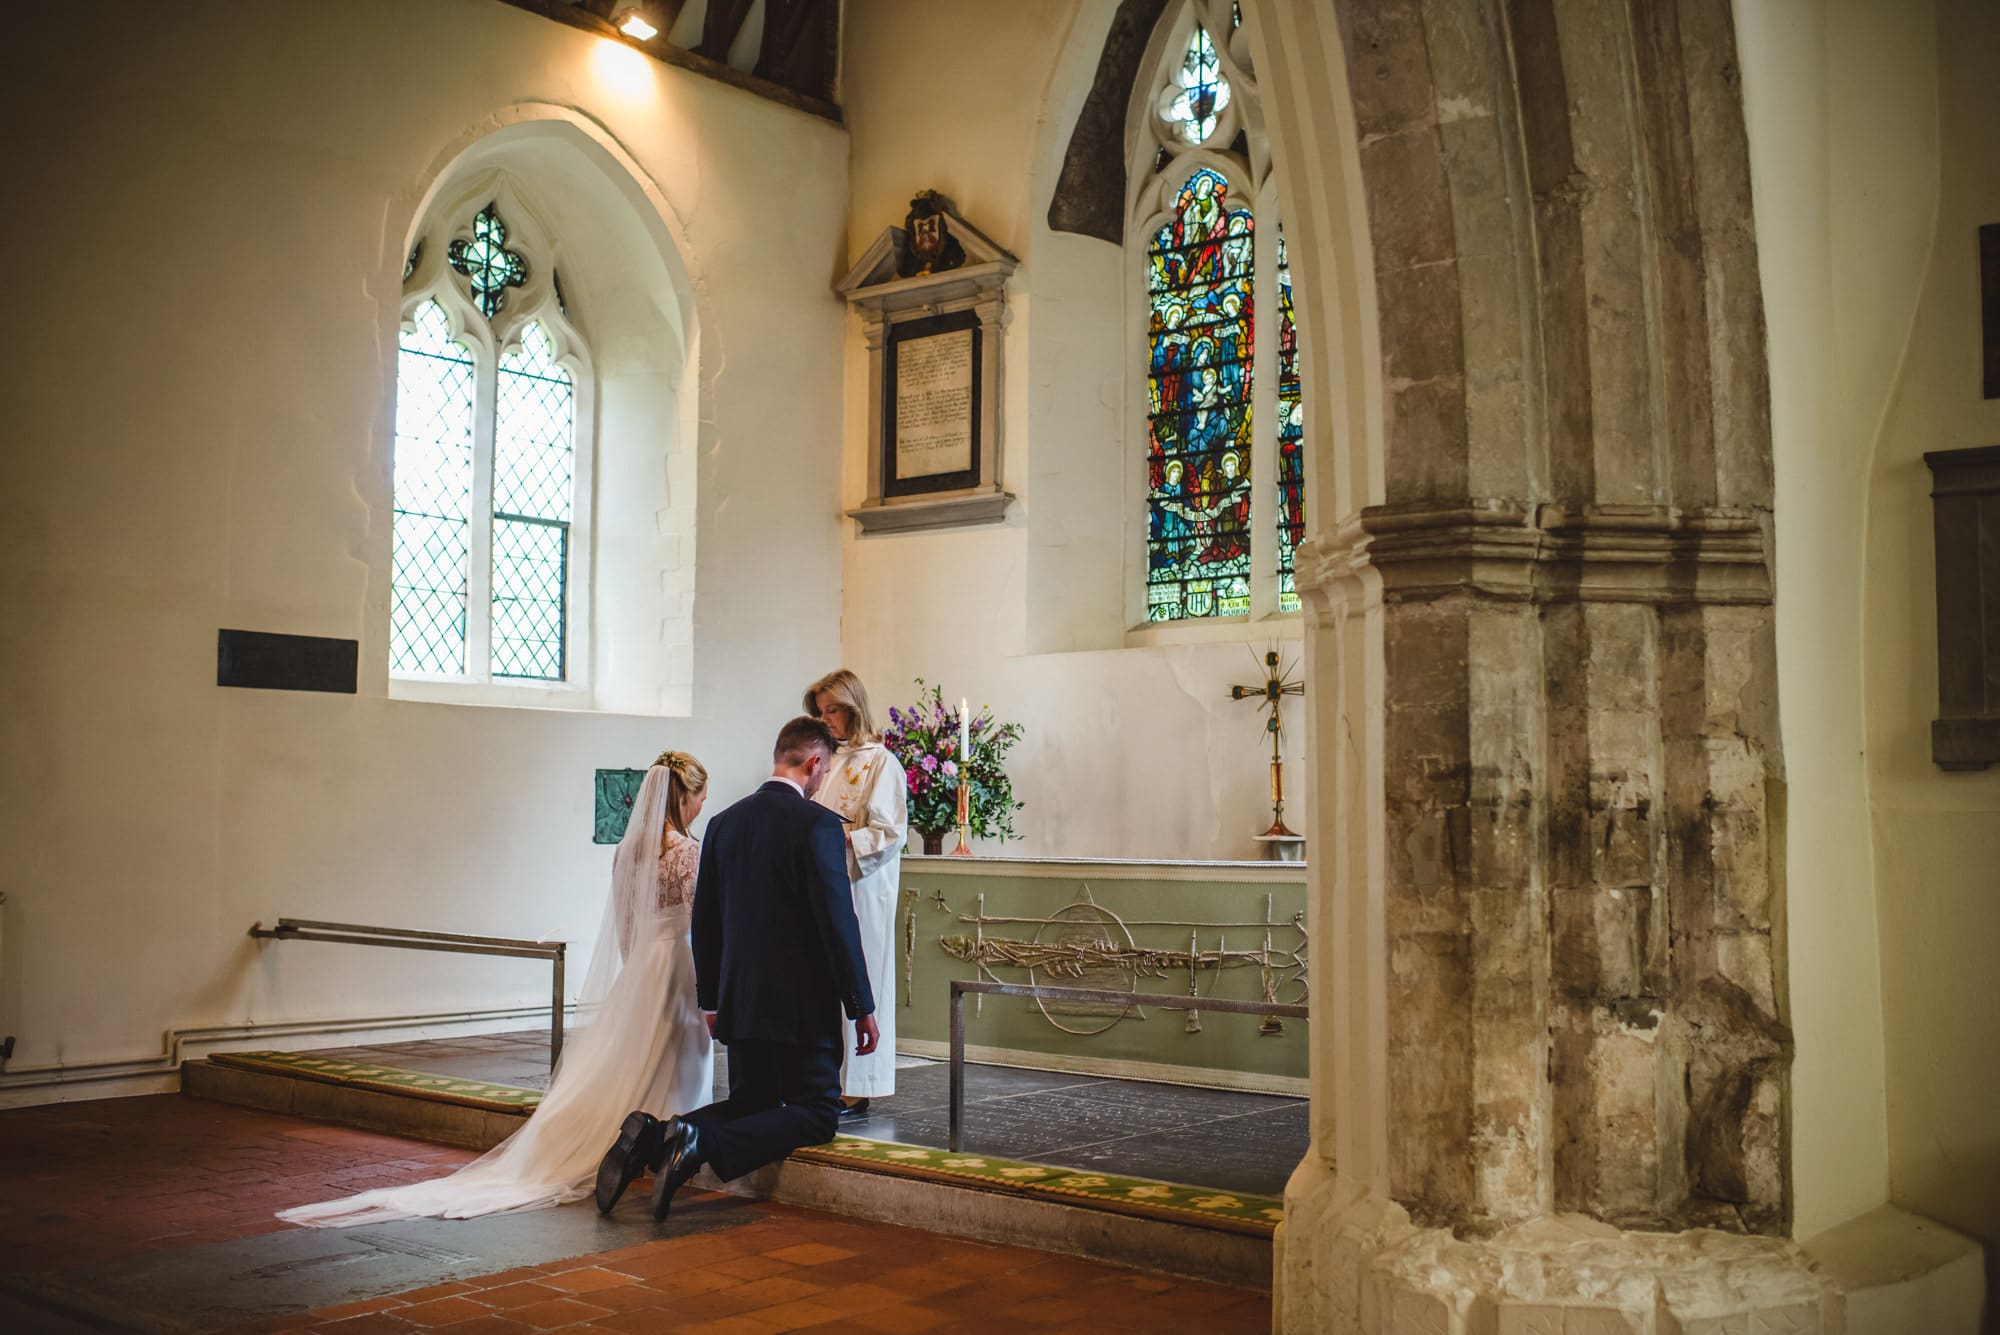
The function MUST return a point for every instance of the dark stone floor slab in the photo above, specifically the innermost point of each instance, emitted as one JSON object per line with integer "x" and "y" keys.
{"x": 929, "y": 1085}
{"x": 1026, "y": 1126}
{"x": 1208, "y": 1137}
{"x": 1188, "y": 1103}
{"x": 1254, "y": 1153}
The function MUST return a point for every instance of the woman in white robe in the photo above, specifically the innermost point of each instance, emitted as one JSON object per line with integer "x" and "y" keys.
{"x": 865, "y": 786}
{"x": 643, "y": 1042}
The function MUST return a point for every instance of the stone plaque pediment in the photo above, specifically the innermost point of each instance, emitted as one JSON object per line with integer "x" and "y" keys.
{"x": 934, "y": 442}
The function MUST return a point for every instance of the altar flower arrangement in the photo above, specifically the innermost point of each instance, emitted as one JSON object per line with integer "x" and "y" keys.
{"x": 925, "y": 738}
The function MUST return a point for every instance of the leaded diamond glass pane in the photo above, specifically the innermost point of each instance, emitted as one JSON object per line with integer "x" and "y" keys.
{"x": 1198, "y": 385}
{"x": 534, "y": 459}
{"x": 433, "y": 505}
{"x": 530, "y": 597}
{"x": 534, "y": 431}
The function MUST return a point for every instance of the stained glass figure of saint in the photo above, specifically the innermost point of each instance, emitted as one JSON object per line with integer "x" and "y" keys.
{"x": 1199, "y": 446}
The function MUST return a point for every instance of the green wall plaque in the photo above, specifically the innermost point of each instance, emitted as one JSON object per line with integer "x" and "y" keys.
{"x": 617, "y": 789}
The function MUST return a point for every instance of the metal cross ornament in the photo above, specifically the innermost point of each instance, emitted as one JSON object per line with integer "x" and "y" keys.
{"x": 1278, "y": 683}
{"x": 487, "y": 263}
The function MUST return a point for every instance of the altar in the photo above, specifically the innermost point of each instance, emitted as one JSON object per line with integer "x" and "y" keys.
{"x": 1217, "y": 930}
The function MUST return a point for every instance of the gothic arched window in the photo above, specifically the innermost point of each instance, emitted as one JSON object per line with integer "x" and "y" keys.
{"x": 487, "y": 461}
{"x": 1224, "y": 466}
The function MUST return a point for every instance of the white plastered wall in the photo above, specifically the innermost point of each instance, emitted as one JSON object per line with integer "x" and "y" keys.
{"x": 1129, "y": 751}
{"x": 1872, "y": 169}
{"x": 1936, "y": 835}
{"x": 207, "y": 205}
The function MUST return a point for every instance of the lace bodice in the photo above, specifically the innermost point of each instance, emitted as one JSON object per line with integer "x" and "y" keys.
{"x": 672, "y": 888}
{"x": 680, "y": 858}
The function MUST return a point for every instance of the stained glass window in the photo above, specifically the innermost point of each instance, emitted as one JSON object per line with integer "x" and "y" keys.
{"x": 433, "y": 505}
{"x": 1198, "y": 386}
{"x": 1202, "y": 92}
{"x": 486, "y": 262}
{"x": 1291, "y": 437}
{"x": 534, "y": 461}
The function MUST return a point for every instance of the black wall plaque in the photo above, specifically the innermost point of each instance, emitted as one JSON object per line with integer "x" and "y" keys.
{"x": 269, "y": 662}
{"x": 901, "y": 332}
{"x": 1965, "y": 507}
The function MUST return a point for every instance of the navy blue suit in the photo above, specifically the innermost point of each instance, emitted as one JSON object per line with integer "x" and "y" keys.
{"x": 777, "y": 957}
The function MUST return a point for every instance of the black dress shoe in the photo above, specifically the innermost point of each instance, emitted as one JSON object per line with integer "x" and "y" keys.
{"x": 681, "y": 1160}
{"x": 636, "y": 1149}
{"x": 856, "y": 1109}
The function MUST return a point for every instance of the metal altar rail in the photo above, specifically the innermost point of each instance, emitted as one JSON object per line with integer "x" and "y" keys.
{"x": 455, "y": 943}
{"x": 1165, "y": 1001}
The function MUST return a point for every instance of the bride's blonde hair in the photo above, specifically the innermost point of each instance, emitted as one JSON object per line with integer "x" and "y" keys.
{"x": 685, "y": 778}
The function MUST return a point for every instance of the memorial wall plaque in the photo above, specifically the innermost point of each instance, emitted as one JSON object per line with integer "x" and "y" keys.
{"x": 932, "y": 296}
{"x": 931, "y": 375}
{"x": 934, "y": 405}
{"x": 1965, "y": 507}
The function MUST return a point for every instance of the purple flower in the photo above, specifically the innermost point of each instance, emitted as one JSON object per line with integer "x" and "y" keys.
{"x": 930, "y": 764}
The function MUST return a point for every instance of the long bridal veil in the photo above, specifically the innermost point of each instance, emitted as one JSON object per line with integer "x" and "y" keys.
{"x": 640, "y": 1043}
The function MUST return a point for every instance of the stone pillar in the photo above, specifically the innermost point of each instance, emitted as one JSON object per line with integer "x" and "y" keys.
{"x": 1547, "y": 983}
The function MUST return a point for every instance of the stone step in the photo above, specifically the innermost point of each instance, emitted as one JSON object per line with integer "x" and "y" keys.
{"x": 1191, "y": 1249}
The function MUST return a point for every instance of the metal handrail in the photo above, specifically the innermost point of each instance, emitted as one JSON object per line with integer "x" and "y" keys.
{"x": 454, "y": 943}
{"x": 1165, "y": 1001}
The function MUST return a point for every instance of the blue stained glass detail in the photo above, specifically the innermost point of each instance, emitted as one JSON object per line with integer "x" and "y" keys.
{"x": 1198, "y": 385}
{"x": 1291, "y": 438}
{"x": 1203, "y": 89}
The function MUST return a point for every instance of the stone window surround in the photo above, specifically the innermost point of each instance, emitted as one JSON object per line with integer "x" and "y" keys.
{"x": 1148, "y": 207}
{"x": 536, "y": 302}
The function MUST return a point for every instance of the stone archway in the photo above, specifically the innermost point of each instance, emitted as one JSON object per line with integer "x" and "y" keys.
{"x": 1542, "y": 660}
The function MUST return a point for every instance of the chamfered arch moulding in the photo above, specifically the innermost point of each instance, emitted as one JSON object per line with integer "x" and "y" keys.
{"x": 547, "y": 167}
{"x": 538, "y": 300}
{"x": 516, "y": 131}
{"x": 1154, "y": 90}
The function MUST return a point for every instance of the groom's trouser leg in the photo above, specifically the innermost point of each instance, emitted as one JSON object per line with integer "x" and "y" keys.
{"x": 789, "y": 1097}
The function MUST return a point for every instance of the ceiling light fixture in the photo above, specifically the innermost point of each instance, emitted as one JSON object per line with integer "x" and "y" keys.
{"x": 632, "y": 22}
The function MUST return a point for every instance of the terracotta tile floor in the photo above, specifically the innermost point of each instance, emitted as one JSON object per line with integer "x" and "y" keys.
{"x": 122, "y": 1200}
{"x": 84, "y": 1183}
{"x": 796, "y": 1270}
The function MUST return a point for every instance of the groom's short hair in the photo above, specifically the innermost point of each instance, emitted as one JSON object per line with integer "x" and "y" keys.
{"x": 800, "y": 738}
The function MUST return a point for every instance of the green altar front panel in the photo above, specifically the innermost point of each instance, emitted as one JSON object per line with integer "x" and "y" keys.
{"x": 1109, "y": 926}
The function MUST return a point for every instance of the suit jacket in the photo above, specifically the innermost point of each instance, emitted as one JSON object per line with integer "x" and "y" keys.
{"x": 777, "y": 951}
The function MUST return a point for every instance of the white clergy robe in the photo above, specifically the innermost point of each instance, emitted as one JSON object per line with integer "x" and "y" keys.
{"x": 865, "y": 786}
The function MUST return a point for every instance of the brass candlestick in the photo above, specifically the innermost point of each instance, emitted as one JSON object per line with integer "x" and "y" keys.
{"x": 964, "y": 849}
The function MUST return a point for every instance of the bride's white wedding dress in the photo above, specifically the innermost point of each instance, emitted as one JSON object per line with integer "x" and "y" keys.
{"x": 644, "y": 1045}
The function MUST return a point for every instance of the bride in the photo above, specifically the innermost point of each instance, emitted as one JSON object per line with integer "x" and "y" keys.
{"x": 645, "y": 1045}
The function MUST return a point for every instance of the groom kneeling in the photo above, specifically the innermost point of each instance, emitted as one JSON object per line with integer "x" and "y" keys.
{"x": 777, "y": 955}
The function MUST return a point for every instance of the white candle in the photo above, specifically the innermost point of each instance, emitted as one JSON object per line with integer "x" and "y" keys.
{"x": 964, "y": 732}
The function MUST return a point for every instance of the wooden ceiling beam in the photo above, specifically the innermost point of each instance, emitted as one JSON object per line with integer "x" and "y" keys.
{"x": 720, "y": 26}
{"x": 584, "y": 15}
{"x": 787, "y": 24}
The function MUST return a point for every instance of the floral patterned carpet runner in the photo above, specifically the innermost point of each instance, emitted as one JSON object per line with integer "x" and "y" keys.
{"x": 1233, "y": 1211}
{"x": 442, "y": 1088}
